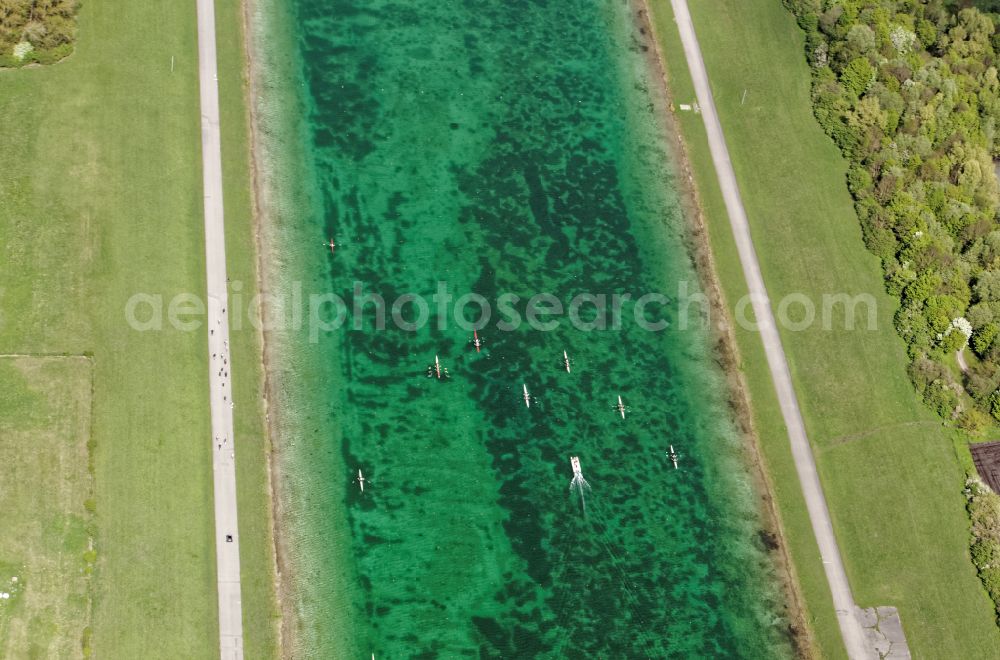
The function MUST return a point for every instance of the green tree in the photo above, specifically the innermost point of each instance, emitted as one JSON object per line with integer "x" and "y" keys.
{"x": 857, "y": 76}
{"x": 860, "y": 40}
{"x": 987, "y": 287}
{"x": 983, "y": 338}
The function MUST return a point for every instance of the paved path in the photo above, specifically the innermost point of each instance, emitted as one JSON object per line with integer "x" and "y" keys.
{"x": 227, "y": 540}
{"x": 805, "y": 465}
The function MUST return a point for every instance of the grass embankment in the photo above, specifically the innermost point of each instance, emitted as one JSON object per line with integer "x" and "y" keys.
{"x": 892, "y": 475}
{"x": 100, "y": 198}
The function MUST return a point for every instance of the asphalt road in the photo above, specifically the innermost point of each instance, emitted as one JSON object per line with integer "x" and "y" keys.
{"x": 227, "y": 539}
{"x": 805, "y": 465}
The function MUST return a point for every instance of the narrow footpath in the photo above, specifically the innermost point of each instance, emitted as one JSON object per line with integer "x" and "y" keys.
{"x": 227, "y": 540}
{"x": 847, "y": 611}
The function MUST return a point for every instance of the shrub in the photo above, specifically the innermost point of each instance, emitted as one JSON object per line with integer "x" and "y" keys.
{"x": 923, "y": 372}
{"x": 49, "y": 26}
{"x": 991, "y": 580}
{"x": 980, "y": 385}
{"x": 995, "y": 405}
{"x": 859, "y": 180}
{"x": 986, "y": 553}
{"x": 973, "y": 421}
{"x": 984, "y": 509}
{"x": 942, "y": 398}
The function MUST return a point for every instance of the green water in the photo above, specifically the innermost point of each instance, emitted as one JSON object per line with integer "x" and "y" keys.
{"x": 500, "y": 148}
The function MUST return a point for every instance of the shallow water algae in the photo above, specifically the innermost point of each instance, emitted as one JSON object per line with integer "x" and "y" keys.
{"x": 511, "y": 150}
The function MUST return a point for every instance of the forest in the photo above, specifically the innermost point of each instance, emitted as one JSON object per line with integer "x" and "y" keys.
{"x": 909, "y": 91}
{"x": 36, "y": 31}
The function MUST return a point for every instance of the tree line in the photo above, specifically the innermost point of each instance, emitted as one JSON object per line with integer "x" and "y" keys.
{"x": 48, "y": 26}
{"x": 910, "y": 92}
{"x": 984, "y": 511}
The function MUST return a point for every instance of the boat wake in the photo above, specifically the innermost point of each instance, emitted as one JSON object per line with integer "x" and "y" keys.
{"x": 579, "y": 483}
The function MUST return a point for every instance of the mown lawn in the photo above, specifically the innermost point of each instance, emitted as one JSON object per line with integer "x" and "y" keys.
{"x": 46, "y": 502}
{"x": 892, "y": 474}
{"x": 100, "y": 198}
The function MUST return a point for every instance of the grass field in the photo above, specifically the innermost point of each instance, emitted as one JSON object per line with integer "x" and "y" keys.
{"x": 892, "y": 474}
{"x": 46, "y": 538}
{"x": 100, "y": 198}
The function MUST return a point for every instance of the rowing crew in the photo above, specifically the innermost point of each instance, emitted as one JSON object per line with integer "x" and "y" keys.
{"x": 437, "y": 370}
{"x": 574, "y": 463}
